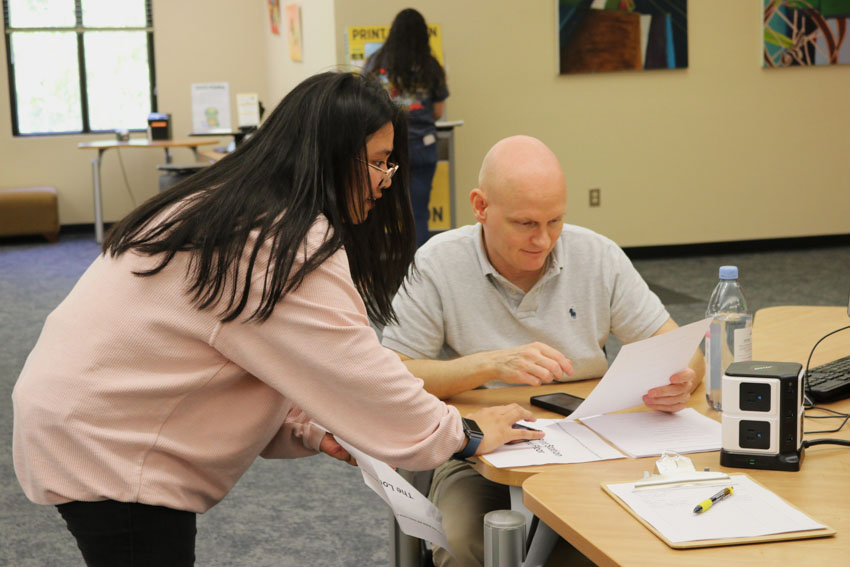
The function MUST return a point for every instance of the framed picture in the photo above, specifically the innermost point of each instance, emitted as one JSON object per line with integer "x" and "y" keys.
{"x": 597, "y": 36}
{"x": 800, "y": 33}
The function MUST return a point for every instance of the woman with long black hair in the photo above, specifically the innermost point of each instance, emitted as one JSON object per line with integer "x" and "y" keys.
{"x": 415, "y": 80}
{"x": 223, "y": 317}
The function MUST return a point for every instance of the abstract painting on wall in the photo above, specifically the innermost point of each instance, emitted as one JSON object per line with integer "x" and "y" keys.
{"x": 618, "y": 35}
{"x": 805, "y": 32}
{"x": 274, "y": 16}
{"x": 293, "y": 30}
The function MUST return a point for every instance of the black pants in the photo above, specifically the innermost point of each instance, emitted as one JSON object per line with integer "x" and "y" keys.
{"x": 120, "y": 534}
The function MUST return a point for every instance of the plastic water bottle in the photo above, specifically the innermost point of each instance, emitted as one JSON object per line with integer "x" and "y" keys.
{"x": 729, "y": 338}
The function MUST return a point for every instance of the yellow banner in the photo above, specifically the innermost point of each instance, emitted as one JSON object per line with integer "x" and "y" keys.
{"x": 363, "y": 41}
{"x": 440, "y": 206}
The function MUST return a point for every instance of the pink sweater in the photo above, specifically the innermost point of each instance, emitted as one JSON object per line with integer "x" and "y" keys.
{"x": 133, "y": 394}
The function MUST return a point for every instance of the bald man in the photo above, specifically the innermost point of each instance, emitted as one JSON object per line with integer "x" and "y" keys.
{"x": 518, "y": 298}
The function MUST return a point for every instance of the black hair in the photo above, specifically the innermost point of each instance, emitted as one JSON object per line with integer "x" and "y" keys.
{"x": 307, "y": 159}
{"x": 406, "y": 55}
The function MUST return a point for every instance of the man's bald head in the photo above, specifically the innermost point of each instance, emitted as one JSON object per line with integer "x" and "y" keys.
{"x": 520, "y": 203}
{"x": 522, "y": 167}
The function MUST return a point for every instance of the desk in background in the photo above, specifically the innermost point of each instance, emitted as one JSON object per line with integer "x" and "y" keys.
{"x": 212, "y": 155}
{"x": 237, "y": 135}
{"x": 569, "y": 499}
{"x": 102, "y": 145}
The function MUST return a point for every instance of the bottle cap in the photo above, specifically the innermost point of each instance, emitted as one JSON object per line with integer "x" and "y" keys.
{"x": 728, "y": 272}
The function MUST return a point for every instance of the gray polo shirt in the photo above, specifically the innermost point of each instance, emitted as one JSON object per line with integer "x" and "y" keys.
{"x": 458, "y": 304}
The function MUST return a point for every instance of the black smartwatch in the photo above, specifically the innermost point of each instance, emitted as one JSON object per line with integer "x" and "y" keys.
{"x": 474, "y": 435}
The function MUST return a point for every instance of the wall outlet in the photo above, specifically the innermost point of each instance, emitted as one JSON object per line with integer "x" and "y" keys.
{"x": 595, "y": 197}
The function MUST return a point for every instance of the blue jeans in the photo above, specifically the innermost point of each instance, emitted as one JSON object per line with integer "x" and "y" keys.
{"x": 423, "y": 164}
{"x": 121, "y": 534}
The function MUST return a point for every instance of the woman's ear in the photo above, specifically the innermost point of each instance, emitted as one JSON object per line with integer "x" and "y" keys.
{"x": 478, "y": 200}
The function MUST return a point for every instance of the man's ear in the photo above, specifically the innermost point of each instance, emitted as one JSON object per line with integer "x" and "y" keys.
{"x": 478, "y": 200}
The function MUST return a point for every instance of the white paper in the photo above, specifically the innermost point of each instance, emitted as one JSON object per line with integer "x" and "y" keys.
{"x": 648, "y": 433}
{"x": 565, "y": 442}
{"x": 210, "y": 107}
{"x": 247, "y": 109}
{"x": 641, "y": 366}
{"x": 415, "y": 514}
{"x": 539, "y": 424}
{"x": 750, "y": 511}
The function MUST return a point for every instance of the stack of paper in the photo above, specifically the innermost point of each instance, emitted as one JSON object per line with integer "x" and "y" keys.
{"x": 649, "y": 433}
{"x": 638, "y": 368}
{"x": 565, "y": 442}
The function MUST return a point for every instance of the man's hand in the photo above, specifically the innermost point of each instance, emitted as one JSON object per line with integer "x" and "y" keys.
{"x": 675, "y": 395}
{"x": 497, "y": 425}
{"x": 532, "y": 364}
{"x": 330, "y": 446}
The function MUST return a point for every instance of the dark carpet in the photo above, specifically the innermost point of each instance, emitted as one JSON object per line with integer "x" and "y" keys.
{"x": 317, "y": 511}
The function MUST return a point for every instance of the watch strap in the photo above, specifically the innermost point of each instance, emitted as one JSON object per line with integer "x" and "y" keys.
{"x": 473, "y": 440}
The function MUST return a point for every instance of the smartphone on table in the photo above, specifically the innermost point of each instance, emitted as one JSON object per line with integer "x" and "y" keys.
{"x": 558, "y": 402}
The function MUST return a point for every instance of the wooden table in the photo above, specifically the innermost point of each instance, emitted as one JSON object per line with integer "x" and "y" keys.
{"x": 102, "y": 145}
{"x": 569, "y": 499}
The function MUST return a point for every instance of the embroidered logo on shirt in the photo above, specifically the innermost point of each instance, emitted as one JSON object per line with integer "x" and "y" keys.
{"x": 572, "y": 313}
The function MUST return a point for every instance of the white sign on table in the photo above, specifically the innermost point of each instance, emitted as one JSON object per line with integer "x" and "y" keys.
{"x": 210, "y": 107}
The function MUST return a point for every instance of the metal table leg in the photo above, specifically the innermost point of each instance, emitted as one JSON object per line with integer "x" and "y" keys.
{"x": 542, "y": 543}
{"x": 98, "y": 197}
{"x": 542, "y": 540}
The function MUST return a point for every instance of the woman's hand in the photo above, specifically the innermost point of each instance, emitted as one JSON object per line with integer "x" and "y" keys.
{"x": 330, "y": 446}
{"x": 497, "y": 424}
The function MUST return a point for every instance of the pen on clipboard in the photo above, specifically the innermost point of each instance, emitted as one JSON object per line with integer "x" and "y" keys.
{"x": 708, "y": 502}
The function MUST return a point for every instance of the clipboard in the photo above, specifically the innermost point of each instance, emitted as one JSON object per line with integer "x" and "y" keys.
{"x": 826, "y": 531}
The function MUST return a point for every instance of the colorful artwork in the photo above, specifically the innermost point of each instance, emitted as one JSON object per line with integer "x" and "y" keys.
{"x": 274, "y": 16}
{"x": 619, "y": 35}
{"x": 805, "y": 32}
{"x": 293, "y": 27}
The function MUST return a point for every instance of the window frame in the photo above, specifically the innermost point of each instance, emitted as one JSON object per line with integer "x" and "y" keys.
{"x": 80, "y": 31}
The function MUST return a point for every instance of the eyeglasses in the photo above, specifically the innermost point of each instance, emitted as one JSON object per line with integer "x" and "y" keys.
{"x": 388, "y": 173}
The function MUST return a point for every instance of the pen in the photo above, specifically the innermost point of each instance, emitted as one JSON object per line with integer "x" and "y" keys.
{"x": 706, "y": 504}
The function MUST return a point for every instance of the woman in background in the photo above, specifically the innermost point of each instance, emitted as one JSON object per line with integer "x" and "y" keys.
{"x": 225, "y": 315}
{"x": 416, "y": 81}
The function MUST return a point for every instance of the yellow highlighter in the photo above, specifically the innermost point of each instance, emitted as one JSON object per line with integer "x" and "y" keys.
{"x": 708, "y": 502}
